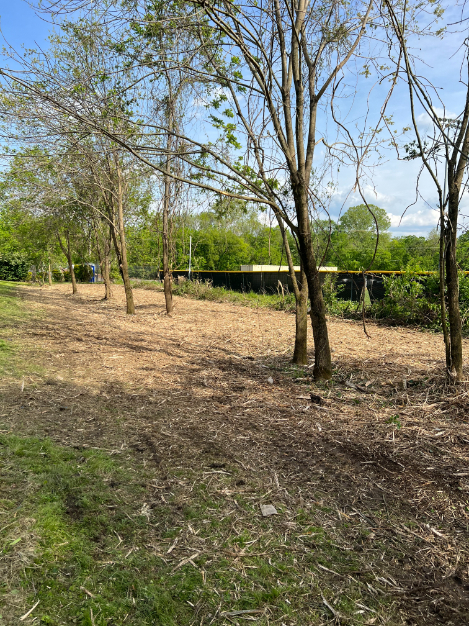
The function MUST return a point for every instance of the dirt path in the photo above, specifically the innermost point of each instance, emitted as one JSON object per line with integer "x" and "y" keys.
{"x": 387, "y": 452}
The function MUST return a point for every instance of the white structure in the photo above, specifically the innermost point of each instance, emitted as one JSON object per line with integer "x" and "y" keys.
{"x": 279, "y": 268}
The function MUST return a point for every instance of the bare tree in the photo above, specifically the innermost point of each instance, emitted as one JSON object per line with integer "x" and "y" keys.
{"x": 444, "y": 154}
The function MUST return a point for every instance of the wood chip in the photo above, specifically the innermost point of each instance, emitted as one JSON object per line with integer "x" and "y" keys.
{"x": 88, "y": 592}
{"x": 23, "y": 617}
{"x": 268, "y": 509}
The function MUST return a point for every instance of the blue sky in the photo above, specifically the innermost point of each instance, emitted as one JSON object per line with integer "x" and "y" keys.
{"x": 20, "y": 24}
{"x": 393, "y": 185}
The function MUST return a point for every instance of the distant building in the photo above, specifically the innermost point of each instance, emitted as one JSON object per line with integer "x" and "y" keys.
{"x": 279, "y": 268}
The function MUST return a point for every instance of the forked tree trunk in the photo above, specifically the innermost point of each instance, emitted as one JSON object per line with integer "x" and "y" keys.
{"x": 123, "y": 247}
{"x": 454, "y": 140}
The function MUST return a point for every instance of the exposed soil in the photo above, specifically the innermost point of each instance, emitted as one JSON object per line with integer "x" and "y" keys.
{"x": 212, "y": 385}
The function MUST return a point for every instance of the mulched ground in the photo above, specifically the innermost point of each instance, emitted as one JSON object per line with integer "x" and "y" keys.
{"x": 387, "y": 450}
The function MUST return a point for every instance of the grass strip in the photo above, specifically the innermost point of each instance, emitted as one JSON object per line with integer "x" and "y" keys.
{"x": 14, "y": 314}
{"x": 91, "y": 537}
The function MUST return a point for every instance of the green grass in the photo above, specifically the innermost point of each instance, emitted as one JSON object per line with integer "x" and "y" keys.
{"x": 86, "y": 522}
{"x": 201, "y": 290}
{"x": 75, "y": 523}
{"x": 13, "y": 315}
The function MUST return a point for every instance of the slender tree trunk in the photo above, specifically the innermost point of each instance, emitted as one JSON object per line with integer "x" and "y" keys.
{"x": 103, "y": 258}
{"x": 452, "y": 289}
{"x": 300, "y": 352}
{"x": 322, "y": 351}
{"x": 123, "y": 247}
{"x": 116, "y": 247}
{"x": 106, "y": 269}
{"x": 50, "y": 274}
{"x": 168, "y": 295}
{"x": 67, "y": 252}
{"x": 72, "y": 275}
{"x": 70, "y": 266}
{"x": 442, "y": 267}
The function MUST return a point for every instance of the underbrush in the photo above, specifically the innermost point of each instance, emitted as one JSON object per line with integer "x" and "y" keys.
{"x": 410, "y": 299}
{"x": 414, "y": 300}
{"x": 204, "y": 290}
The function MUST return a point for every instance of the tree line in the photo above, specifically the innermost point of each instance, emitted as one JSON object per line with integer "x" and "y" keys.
{"x": 217, "y": 241}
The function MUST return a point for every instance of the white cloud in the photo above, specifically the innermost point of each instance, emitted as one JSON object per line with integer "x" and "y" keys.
{"x": 377, "y": 196}
{"x": 425, "y": 218}
{"x": 425, "y": 120}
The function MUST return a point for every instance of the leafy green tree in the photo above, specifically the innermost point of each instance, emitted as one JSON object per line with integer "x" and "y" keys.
{"x": 354, "y": 240}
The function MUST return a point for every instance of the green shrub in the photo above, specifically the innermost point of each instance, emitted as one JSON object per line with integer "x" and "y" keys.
{"x": 409, "y": 299}
{"x": 83, "y": 273}
{"x": 114, "y": 273}
{"x": 333, "y": 296}
{"x": 57, "y": 276}
{"x": 13, "y": 267}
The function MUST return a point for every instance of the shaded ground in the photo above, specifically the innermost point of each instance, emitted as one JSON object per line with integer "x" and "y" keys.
{"x": 208, "y": 396}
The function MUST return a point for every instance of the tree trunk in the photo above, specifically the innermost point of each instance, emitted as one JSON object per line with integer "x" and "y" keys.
{"x": 322, "y": 351}
{"x": 168, "y": 295}
{"x": 106, "y": 269}
{"x": 123, "y": 248}
{"x": 50, "y": 275}
{"x": 454, "y": 366}
{"x": 103, "y": 258}
{"x": 68, "y": 255}
{"x": 300, "y": 352}
{"x": 70, "y": 266}
{"x": 442, "y": 276}
{"x": 72, "y": 276}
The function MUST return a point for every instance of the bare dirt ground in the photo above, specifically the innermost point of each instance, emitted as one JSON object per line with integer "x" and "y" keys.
{"x": 387, "y": 452}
